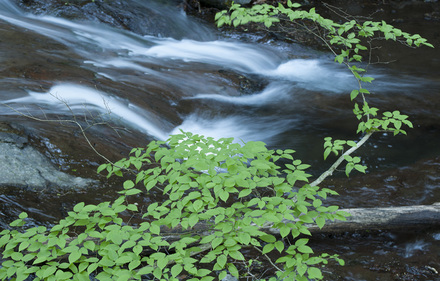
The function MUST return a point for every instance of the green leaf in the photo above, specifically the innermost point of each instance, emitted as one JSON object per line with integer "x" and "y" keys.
{"x": 78, "y": 207}
{"x": 101, "y": 168}
{"x": 354, "y": 94}
{"x": 176, "y": 270}
{"x": 193, "y": 220}
{"x": 320, "y": 221}
{"x": 132, "y": 191}
{"x": 268, "y": 248}
{"x": 224, "y": 195}
{"x": 124, "y": 259}
{"x": 155, "y": 229}
{"x": 279, "y": 245}
{"x": 128, "y": 184}
{"x": 284, "y": 230}
{"x": 268, "y": 238}
{"x": 233, "y": 270}
{"x": 305, "y": 249}
{"x": 244, "y": 238}
{"x": 314, "y": 273}
{"x": 203, "y": 272}
{"x": 236, "y": 255}
{"x": 74, "y": 256}
{"x": 61, "y": 275}
{"x": 221, "y": 260}
{"x": 301, "y": 269}
{"x": 222, "y": 275}
{"x": 244, "y": 192}
{"x": 216, "y": 242}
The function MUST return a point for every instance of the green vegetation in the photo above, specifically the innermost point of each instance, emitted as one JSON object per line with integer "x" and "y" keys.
{"x": 217, "y": 196}
{"x": 230, "y": 190}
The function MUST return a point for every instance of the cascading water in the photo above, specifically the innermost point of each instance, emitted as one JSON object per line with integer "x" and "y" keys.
{"x": 202, "y": 82}
{"x": 141, "y": 62}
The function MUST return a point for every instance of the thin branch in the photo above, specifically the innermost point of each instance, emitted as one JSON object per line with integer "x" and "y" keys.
{"x": 341, "y": 158}
{"x": 267, "y": 257}
{"x": 29, "y": 116}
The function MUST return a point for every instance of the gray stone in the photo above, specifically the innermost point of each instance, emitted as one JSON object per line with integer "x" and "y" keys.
{"x": 23, "y": 166}
{"x": 229, "y": 278}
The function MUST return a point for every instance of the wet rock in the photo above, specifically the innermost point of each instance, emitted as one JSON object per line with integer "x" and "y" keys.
{"x": 223, "y": 3}
{"x": 155, "y": 18}
{"x": 229, "y": 278}
{"x": 24, "y": 166}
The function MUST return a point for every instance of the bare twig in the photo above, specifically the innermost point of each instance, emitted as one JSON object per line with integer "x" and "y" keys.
{"x": 68, "y": 121}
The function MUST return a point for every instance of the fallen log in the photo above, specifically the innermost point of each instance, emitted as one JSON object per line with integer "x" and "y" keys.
{"x": 388, "y": 218}
{"x": 361, "y": 219}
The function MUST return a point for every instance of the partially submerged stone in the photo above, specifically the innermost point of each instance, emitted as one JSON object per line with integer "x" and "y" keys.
{"x": 21, "y": 165}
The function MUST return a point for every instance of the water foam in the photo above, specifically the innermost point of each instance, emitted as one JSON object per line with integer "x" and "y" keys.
{"x": 76, "y": 97}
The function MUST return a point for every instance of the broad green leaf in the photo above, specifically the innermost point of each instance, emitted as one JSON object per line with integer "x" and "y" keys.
{"x": 320, "y": 222}
{"x": 354, "y": 94}
{"x": 314, "y": 273}
{"x": 236, "y": 255}
{"x": 268, "y": 248}
{"x": 176, "y": 269}
{"x": 305, "y": 249}
{"x": 74, "y": 256}
{"x": 221, "y": 260}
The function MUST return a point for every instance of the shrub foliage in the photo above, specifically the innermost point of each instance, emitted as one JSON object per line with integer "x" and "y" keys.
{"x": 217, "y": 196}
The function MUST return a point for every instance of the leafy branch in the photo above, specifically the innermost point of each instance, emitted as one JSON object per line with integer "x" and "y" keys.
{"x": 344, "y": 40}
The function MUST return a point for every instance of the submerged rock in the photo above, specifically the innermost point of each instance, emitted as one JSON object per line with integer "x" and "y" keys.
{"x": 24, "y": 166}
{"x": 223, "y": 3}
{"x": 156, "y": 18}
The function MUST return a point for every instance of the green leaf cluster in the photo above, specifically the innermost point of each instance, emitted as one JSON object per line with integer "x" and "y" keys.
{"x": 232, "y": 190}
{"x": 349, "y": 41}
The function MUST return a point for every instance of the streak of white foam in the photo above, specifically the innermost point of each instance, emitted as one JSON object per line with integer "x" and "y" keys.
{"x": 76, "y": 96}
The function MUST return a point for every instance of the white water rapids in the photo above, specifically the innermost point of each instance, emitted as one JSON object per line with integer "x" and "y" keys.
{"x": 123, "y": 57}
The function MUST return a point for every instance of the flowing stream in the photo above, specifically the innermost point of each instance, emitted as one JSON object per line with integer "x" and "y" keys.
{"x": 215, "y": 84}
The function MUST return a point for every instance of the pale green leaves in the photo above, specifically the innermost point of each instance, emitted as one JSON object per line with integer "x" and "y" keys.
{"x": 353, "y": 163}
{"x": 396, "y": 120}
{"x": 335, "y": 146}
{"x": 390, "y": 121}
{"x": 203, "y": 181}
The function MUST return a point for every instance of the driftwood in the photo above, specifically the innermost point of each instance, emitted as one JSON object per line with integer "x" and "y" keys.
{"x": 389, "y": 218}
{"x": 361, "y": 219}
